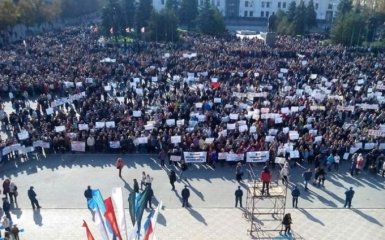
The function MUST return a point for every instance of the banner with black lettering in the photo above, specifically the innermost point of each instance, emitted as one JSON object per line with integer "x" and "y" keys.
{"x": 195, "y": 157}
{"x": 256, "y": 157}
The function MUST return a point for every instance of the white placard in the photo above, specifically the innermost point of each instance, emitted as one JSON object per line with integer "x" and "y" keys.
{"x": 110, "y": 124}
{"x": 293, "y": 135}
{"x": 198, "y": 105}
{"x": 149, "y": 127}
{"x": 139, "y": 91}
{"x": 175, "y": 158}
{"x": 273, "y": 132}
{"x": 154, "y": 79}
{"x": 170, "y": 122}
{"x": 176, "y": 139}
{"x": 141, "y": 140}
{"x": 269, "y": 138}
{"x": 114, "y": 144}
{"x": 261, "y": 156}
{"x": 100, "y": 124}
{"x": 233, "y": 116}
{"x": 137, "y": 113}
{"x": 209, "y": 140}
{"x": 234, "y": 157}
{"x": 40, "y": 143}
{"x": 230, "y": 126}
{"x": 369, "y": 146}
{"x": 83, "y": 127}
{"x": 223, "y": 133}
{"x": 49, "y": 111}
{"x": 222, "y": 155}
{"x": 283, "y": 70}
{"x": 318, "y": 139}
{"x": 294, "y": 154}
{"x": 285, "y": 110}
{"x": 60, "y": 128}
{"x": 23, "y": 135}
{"x": 346, "y": 156}
{"x": 280, "y": 160}
{"x": 217, "y": 100}
{"x": 243, "y": 128}
{"x": 195, "y": 157}
{"x": 78, "y": 146}
{"x": 180, "y": 122}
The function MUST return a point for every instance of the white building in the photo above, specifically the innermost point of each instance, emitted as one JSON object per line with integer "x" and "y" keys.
{"x": 325, "y": 9}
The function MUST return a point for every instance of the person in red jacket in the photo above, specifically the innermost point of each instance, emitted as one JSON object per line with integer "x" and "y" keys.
{"x": 119, "y": 165}
{"x": 265, "y": 178}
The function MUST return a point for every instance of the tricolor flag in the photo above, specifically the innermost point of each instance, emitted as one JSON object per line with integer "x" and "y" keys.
{"x": 111, "y": 218}
{"x": 149, "y": 225}
{"x": 88, "y": 232}
{"x": 117, "y": 199}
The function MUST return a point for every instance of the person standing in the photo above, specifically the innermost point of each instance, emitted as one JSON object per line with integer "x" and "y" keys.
{"x": 238, "y": 196}
{"x": 348, "y": 197}
{"x": 15, "y": 232}
{"x": 337, "y": 159}
{"x": 238, "y": 172}
{"x": 32, "y": 197}
{"x": 148, "y": 180}
{"x": 354, "y": 163}
{"x": 6, "y": 224}
{"x": 183, "y": 169}
{"x": 287, "y": 223}
{"x": 150, "y": 195}
{"x": 136, "y": 186}
{"x": 143, "y": 180}
{"x": 88, "y": 194}
{"x": 6, "y": 187}
{"x": 162, "y": 157}
{"x": 185, "y": 196}
{"x": 172, "y": 178}
{"x": 360, "y": 163}
{"x": 119, "y": 165}
{"x": 284, "y": 173}
{"x": 13, "y": 192}
{"x": 7, "y": 208}
{"x": 265, "y": 178}
{"x": 295, "y": 194}
{"x": 307, "y": 177}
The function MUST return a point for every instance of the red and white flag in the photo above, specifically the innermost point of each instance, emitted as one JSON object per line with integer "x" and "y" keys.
{"x": 111, "y": 218}
{"x": 88, "y": 232}
{"x": 117, "y": 199}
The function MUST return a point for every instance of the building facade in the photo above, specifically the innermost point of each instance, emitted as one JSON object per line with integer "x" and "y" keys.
{"x": 325, "y": 9}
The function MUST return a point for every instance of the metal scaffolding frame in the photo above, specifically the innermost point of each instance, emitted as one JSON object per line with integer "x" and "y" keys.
{"x": 265, "y": 212}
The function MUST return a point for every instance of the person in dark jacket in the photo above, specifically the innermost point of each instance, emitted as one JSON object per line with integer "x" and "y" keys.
{"x": 88, "y": 194}
{"x": 150, "y": 195}
{"x": 287, "y": 223}
{"x": 136, "y": 185}
{"x": 295, "y": 194}
{"x": 238, "y": 196}
{"x": 349, "y": 196}
{"x": 172, "y": 178}
{"x": 32, "y": 198}
{"x": 185, "y": 196}
{"x": 307, "y": 177}
{"x": 7, "y": 208}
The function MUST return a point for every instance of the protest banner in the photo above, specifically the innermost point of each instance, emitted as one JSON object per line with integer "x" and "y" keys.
{"x": 222, "y": 155}
{"x": 255, "y": 157}
{"x": 114, "y": 144}
{"x": 60, "y": 128}
{"x": 176, "y": 139}
{"x": 170, "y": 122}
{"x": 23, "y": 135}
{"x": 195, "y": 157}
{"x": 234, "y": 157}
{"x": 78, "y": 146}
{"x": 100, "y": 124}
{"x": 83, "y": 127}
{"x": 175, "y": 158}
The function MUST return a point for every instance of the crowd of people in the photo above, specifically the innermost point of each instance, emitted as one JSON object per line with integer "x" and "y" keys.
{"x": 301, "y": 99}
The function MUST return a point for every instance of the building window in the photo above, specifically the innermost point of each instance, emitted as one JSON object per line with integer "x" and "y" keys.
{"x": 316, "y": 6}
{"x": 245, "y": 14}
{"x": 279, "y": 4}
{"x": 267, "y": 4}
{"x": 251, "y": 14}
{"x": 262, "y": 14}
{"x": 247, "y": 4}
{"x": 267, "y": 14}
{"x": 263, "y": 4}
{"x": 330, "y": 6}
{"x": 284, "y": 5}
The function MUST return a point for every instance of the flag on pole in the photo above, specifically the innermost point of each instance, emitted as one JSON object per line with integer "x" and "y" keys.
{"x": 143, "y": 29}
{"x": 111, "y": 218}
{"x": 149, "y": 225}
{"x": 88, "y": 232}
{"x": 137, "y": 203}
{"x": 134, "y": 233}
{"x": 97, "y": 203}
{"x": 112, "y": 30}
{"x": 117, "y": 199}
{"x": 100, "y": 224}
{"x": 128, "y": 30}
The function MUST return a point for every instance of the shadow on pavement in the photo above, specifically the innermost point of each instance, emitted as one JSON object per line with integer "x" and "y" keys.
{"x": 197, "y": 216}
{"x": 162, "y": 219}
{"x": 37, "y": 218}
{"x": 367, "y": 217}
{"x": 311, "y": 217}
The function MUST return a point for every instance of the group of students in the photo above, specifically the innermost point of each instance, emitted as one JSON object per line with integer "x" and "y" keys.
{"x": 10, "y": 198}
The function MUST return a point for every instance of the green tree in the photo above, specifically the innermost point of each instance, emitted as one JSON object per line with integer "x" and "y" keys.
{"x": 344, "y": 7}
{"x": 128, "y": 11}
{"x": 9, "y": 14}
{"x": 298, "y": 25}
{"x": 210, "y": 20}
{"x": 311, "y": 15}
{"x": 291, "y": 11}
{"x": 349, "y": 29}
{"x": 76, "y": 8}
{"x": 143, "y": 13}
{"x": 188, "y": 13}
{"x": 163, "y": 26}
{"x": 172, "y": 5}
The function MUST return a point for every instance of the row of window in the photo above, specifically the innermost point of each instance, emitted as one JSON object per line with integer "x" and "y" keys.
{"x": 251, "y": 14}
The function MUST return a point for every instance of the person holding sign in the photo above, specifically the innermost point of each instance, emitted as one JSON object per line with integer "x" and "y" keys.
{"x": 119, "y": 165}
{"x": 265, "y": 178}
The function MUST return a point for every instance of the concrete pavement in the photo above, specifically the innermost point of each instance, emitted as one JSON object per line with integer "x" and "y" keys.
{"x": 60, "y": 181}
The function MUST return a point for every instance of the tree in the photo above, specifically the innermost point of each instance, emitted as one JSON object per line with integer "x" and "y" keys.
{"x": 349, "y": 30}
{"x": 113, "y": 19}
{"x": 311, "y": 15}
{"x": 210, "y": 20}
{"x": 142, "y": 14}
{"x": 344, "y": 7}
{"x": 128, "y": 11}
{"x": 172, "y": 5}
{"x": 76, "y": 8}
{"x": 9, "y": 14}
{"x": 291, "y": 11}
{"x": 298, "y": 25}
{"x": 188, "y": 13}
{"x": 163, "y": 26}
